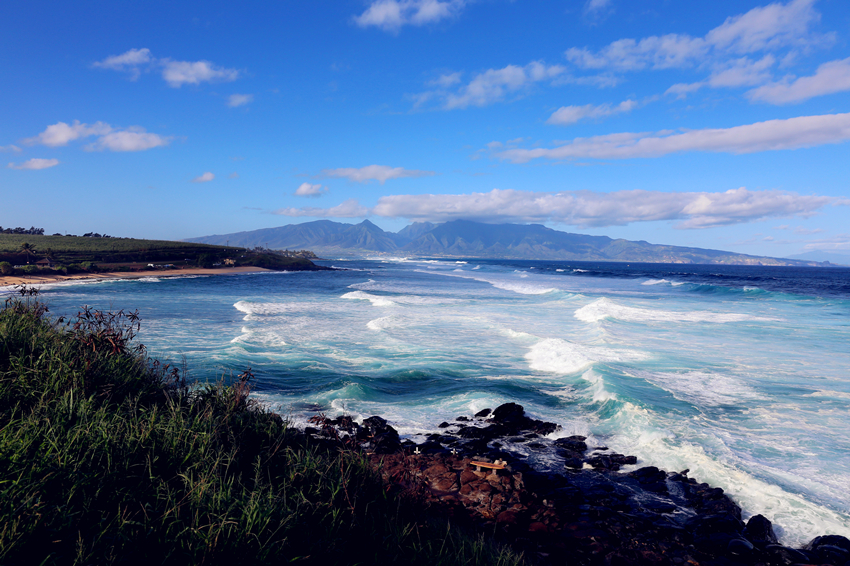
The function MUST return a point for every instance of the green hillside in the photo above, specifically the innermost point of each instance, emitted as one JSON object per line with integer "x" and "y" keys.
{"x": 65, "y": 251}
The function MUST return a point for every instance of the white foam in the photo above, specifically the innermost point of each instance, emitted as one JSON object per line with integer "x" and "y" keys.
{"x": 605, "y": 308}
{"x": 559, "y": 270}
{"x": 374, "y": 299}
{"x": 830, "y": 394}
{"x": 382, "y": 323}
{"x": 796, "y": 518}
{"x": 554, "y": 355}
{"x": 654, "y": 282}
{"x": 702, "y": 388}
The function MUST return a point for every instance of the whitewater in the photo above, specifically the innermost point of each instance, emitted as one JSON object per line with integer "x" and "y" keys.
{"x": 738, "y": 373}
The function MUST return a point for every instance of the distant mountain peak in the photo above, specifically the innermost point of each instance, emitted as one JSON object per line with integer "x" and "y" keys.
{"x": 468, "y": 238}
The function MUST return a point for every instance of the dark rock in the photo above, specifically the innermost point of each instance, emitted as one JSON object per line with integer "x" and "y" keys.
{"x": 785, "y": 556}
{"x": 713, "y": 543}
{"x": 832, "y": 540}
{"x": 508, "y": 413}
{"x": 573, "y": 443}
{"x": 574, "y": 463}
{"x": 703, "y": 526}
{"x": 760, "y": 530}
{"x": 462, "y": 419}
{"x": 482, "y": 413}
{"x": 740, "y": 548}
{"x": 832, "y": 554}
{"x": 443, "y": 425}
{"x": 648, "y": 474}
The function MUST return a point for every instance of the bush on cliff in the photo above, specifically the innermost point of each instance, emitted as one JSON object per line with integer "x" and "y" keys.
{"x": 107, "y": 457}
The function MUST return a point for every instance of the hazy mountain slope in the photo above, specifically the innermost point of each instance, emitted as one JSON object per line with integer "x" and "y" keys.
{"x": 464, "y": 238}
{"x": 839, "y": 258}
{"x": 291, "y": 237}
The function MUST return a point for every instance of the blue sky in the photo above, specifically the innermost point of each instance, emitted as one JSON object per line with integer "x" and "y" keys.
{"x": 719, "y": 124}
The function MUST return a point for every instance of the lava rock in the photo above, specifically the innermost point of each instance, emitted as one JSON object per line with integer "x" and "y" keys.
{"x": 760, "y": 530}
{"x": 483, "y": 413}
{"x": 509, "y": 413}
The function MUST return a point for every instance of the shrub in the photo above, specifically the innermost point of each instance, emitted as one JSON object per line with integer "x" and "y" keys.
{"x": 107, "y": 457}
{"x": 6, "y": 268}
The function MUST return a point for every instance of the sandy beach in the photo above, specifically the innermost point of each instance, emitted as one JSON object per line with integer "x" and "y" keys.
{"x": 43, "y": 278}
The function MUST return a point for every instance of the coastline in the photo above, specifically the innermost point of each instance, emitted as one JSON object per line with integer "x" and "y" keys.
{"x": 41, "y": 279}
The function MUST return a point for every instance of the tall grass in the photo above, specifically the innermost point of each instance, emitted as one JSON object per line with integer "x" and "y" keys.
{"x": 107, "y": 457}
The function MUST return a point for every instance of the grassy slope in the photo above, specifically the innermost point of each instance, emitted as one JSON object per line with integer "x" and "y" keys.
{"x": 107, "y": 458}
{"x": 73, "y": 250}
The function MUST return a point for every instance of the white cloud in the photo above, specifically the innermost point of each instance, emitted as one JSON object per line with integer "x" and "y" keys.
{"x": 768, "y": 28}
{"x": 447, "y": 80}
{"x": 60, "y": 133}
{"x": 742, "y": 72}
{"x": 9, "y": 148}
{"x": 348, "y": 209}
{"x": 567, "y": 115}
{"x": 830, "y": 78}
{"x": 178, "y": 73}
{"x": 233, "y": 175}
{"x": 380, "y": 173}
{"x": 235, "y": 100}
{"x": 175, "y": 73}
{"x": 205, "y": 178}
{"x": 589, "y": 209}
{"x": 681, "y": 90}
{"x": 764, "y": 28}
{"x": 492, "y": 85}
{"x": 134, "y": 138}
{"x": 131, "y": 139}
{"x": 308, "y": 190}
{"x": 793, "y": 133}
{"x": 34, "y": 164}
{"x": 130, "y": 61}
{"x": 665, "y": 52}
{"x": 596, "y": 6}
{"x": 391, "y": 15}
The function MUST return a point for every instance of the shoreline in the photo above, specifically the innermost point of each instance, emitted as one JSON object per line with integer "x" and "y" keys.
{"x": 43, "y": 279}
{"x": 602, "y": 507}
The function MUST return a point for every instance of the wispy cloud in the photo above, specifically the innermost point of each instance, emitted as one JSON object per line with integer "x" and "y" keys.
{"x": 691, "y": 210}
{"x": 308, "y": 190}
{"x": 132, "y": 61}
{"x": 9, "y": 148}
{"x": 592, "y": 7}
{"x": 830, "y": 78}
{"x": 134, "y": 138}
{"x": 348, "y": 209}
{"x": 235, "y": 100}
{"x": 34, "y": 164}
{"x": 766, "y": 28}
{"x": 205, "y": 178}
{"x": 380, "y": 173}
{"x": 488, "y": 87}
{"x": 793, "y": 133}
{"x": 175, "y": 73}
{"x": 392, "y": 15}
{"x": 178, "y": 73}
{"x": 566, "y": 115}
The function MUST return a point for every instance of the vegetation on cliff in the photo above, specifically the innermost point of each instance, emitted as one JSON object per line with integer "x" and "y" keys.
{"x": 109, "y": 457}
{"x": 77, "y": 254}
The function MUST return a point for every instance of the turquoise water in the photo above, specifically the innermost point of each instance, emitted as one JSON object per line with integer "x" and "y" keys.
{"x": 739, "y": 374}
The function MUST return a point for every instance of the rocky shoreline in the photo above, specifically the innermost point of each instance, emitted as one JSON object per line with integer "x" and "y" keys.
{"x": 589, "y": 513}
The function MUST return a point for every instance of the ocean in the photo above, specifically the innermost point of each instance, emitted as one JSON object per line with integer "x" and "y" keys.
{"x": 740, "y": 374}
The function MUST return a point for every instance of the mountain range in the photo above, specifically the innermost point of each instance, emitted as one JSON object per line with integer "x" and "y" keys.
{"x": 468, "y": 239}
